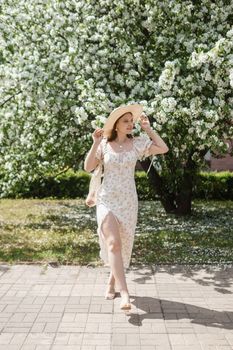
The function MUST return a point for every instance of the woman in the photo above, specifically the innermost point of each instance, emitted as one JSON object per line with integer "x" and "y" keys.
{"x": 117, "y": 201}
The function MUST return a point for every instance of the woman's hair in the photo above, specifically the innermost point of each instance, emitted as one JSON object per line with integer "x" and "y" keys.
{"x": 113, "y": 134}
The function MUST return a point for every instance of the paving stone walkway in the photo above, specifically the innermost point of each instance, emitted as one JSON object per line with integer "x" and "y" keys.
{"x": 62, "y": 308}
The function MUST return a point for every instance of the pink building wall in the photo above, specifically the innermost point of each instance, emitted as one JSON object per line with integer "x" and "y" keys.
{"x": 225, "y": 163}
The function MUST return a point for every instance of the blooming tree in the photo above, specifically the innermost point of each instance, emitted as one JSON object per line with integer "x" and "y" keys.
{"x": 64, "y": 65}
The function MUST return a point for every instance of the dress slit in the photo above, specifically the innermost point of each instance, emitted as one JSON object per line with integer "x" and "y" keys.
{"x": 102, "y": 213}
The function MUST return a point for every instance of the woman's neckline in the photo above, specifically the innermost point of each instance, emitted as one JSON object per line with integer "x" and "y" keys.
{"x": 123, "y": 151}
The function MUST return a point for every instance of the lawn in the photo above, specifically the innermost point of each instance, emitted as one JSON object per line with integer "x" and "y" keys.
{"x": 64, "y": 231}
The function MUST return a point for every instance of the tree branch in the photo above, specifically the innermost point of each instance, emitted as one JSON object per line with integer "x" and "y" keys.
{"x": 7, "y": 100}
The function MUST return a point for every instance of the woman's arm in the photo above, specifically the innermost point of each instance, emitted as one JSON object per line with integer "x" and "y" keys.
{"x": 91, "y": 161}
{"x": 158, "y": 146}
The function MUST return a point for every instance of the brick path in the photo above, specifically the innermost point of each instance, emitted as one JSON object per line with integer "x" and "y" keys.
{"x": 62, "y": 308}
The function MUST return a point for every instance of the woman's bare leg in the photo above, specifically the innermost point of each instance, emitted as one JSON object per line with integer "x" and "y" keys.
{"x": 113, "y": 241}
{"x": 110, "y": 290}
{"x": 111, "y": 280}
{"x": 112, "y": 236}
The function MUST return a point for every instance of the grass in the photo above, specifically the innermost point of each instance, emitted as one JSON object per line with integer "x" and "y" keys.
{"x": 64, "y": 231}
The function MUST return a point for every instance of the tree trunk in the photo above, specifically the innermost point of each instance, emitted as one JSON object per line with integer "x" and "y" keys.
{"x": 184, "y": 197}
{"x": 174, "y": 203}
{"x": 166, "y": 198}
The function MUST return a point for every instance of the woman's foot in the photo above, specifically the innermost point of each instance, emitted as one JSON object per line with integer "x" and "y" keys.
{"x": 125, "y": 301}
{"x": 110, "y": 292}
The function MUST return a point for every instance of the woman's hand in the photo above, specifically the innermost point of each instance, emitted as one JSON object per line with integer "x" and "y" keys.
{"x": 89, "y": 201}
{"x": 97, "y": 135}
{"x": 144, "y": 122}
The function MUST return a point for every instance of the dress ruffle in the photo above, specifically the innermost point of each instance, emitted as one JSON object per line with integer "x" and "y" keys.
{"x": 142, "y": 145}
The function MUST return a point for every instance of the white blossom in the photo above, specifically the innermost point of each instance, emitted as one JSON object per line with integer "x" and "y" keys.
{"x": 66, "y": 65}
{"x": 168, "y": 104}
{"x": 231, "y": 77}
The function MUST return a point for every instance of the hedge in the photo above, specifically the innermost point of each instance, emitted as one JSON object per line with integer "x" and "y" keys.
{"x": 210, "y": 185}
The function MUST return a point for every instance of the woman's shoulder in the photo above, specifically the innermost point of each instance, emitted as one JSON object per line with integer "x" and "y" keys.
{"x": 140, "y": 138}
{"x": 103, "y": 141}
{"x": 103, "y": 144}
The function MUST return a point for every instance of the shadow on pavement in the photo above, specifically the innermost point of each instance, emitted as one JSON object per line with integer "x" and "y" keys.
{"x": 164, "y": 309}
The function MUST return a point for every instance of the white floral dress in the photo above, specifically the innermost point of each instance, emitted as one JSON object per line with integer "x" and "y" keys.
{"x": 118, "y": 194}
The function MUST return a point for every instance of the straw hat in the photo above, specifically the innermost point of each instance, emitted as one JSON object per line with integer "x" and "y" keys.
{"x": 135, "y": 109}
